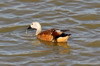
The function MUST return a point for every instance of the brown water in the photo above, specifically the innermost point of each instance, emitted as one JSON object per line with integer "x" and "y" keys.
{"x": 82, "y": 17}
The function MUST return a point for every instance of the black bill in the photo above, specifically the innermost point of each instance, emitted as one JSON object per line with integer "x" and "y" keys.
{"x": 29, "y": 27}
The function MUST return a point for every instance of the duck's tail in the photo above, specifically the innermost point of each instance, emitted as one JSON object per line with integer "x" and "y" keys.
{"x": 63, "y": 38}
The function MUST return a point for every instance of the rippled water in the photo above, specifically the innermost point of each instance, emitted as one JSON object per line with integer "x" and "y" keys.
{"x": 82, "y": 17}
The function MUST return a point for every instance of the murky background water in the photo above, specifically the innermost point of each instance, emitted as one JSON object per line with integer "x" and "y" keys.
{"x": 82, "y": 17}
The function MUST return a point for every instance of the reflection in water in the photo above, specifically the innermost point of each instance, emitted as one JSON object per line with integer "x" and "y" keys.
{"x": 61, "y": 48}
{"x": 62, "y": 44}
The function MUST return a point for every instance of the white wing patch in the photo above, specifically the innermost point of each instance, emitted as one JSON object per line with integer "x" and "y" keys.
{"x": 59, "y": 31}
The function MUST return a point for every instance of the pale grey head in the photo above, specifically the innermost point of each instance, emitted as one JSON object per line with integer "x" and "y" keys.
{"x": 35, "y": 25}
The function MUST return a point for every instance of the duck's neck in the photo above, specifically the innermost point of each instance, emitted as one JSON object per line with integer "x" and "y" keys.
{"x": 38, "y": 30}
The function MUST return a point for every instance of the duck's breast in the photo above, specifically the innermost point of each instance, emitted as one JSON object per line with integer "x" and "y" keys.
{"x": 46, "y": 35}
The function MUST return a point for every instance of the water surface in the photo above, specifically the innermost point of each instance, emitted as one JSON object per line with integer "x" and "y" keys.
{"x": 82, "y": 17}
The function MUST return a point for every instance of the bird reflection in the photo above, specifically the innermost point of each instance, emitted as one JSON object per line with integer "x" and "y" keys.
{"x": 60, "y": 47}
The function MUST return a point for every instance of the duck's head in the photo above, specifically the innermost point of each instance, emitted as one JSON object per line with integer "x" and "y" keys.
{"x": 34, "y": 25}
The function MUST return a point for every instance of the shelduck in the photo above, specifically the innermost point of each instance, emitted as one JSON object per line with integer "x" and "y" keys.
{"x": 53, "y": 35}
